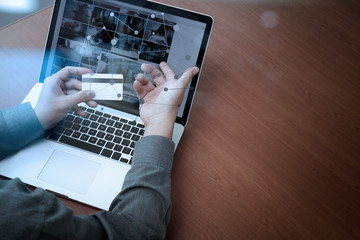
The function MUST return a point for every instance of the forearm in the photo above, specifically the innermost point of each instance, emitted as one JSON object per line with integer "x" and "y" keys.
{"x": 18, "y": 127}
{"x": 146, "y": 195}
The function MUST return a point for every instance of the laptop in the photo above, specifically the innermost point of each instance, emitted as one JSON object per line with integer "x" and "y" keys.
{"x": 86, "y": 158}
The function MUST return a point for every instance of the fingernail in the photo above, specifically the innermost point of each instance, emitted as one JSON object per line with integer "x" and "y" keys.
{"x": 90, "y": 94}
{"x": 195, "y": 71}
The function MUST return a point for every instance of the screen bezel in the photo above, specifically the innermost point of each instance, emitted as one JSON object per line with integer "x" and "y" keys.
{"x": 129, "y": 107}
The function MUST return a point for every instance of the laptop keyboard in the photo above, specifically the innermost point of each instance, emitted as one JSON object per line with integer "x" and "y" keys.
{"x": 101, "y": 133}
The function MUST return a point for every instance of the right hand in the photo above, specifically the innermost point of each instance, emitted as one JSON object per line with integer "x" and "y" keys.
{"x": 159, "y": 104}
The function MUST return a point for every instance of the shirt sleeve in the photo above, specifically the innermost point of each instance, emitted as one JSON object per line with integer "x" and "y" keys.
{"x": 18, "y": 127}
{"x": 140, "y": 211}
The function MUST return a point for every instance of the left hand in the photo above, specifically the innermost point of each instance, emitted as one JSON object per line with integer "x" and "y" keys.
{"x": 60, "y": 94}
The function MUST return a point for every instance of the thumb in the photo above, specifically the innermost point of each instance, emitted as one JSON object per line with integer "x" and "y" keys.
{"x": 81, "y": 96}
{"x": 188, "y": 75}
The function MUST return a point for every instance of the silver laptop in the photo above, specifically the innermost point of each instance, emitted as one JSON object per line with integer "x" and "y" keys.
{"x": 86, "y": 158}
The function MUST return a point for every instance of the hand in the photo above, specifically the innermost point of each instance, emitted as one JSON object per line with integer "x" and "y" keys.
{"x": 60, "y": 94}
{"x": 159, "y": 104}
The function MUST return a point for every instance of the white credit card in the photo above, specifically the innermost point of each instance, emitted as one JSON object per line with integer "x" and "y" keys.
{"x": 105, "y": 86}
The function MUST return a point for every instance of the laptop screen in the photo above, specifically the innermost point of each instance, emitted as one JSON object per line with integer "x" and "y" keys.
{"x": 116, "y": 37}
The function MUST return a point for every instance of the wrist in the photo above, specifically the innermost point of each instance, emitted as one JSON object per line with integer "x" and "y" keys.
{"x": 41, "y": 118}
{"x": 160, "y": 125}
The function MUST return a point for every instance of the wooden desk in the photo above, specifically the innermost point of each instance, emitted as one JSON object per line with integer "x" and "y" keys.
{"x": 272, "y": 149}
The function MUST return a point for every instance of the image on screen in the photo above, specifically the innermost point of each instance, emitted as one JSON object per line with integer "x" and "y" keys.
{"x": 112, "y": 37}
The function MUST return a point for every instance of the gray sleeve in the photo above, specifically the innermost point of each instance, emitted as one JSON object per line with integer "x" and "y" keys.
{"x": 146, "y": 195}
{"x": 141, "y": 211}
{"x": 18, "y": 127}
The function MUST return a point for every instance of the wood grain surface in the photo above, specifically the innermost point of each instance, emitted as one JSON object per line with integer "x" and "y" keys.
{"x": 272, "y": 148}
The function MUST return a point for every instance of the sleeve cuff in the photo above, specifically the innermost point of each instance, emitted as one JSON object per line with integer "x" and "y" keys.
{"x": 21, "y": 125}
{"x": 154, "y": 150}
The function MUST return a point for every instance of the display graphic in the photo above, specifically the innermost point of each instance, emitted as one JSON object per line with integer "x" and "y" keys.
{"x": 115, "y": 40}
{"x": 105, "y": 86}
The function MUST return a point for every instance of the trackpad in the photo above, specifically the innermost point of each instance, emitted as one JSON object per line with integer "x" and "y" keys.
{"x": 69, "y": 171}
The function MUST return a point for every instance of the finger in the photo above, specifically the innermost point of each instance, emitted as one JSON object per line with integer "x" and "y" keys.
{"x": 91, "y": 104}
{"x": 64, "y": 73}
{"x": 78, "y": 111}
{"x": 53, "y": 81}
{"x": 73, "y": 84}
{"x": 69, "y": 92}
{"x": 139, "y": 90}
{"x": 166, "y": 69}
{"x": 154, "y": 73}
{"x": 78, "y": 97}
{"x": 188, "y": 75}
{"x": 145, "y": 82}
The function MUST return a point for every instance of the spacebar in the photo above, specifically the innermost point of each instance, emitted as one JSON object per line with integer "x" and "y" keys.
{"x": 80, "y": 144}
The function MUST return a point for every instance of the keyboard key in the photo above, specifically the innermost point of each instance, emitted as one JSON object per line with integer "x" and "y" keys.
{"x": 125, "y": 142}
{"x": 102, "y": 120}
{"x": 86, "y": 123}
{"x": 133, "y": 123}
{"x": 94, "y": 117}
{"x": 124, "y": 160}
{"x": 127, "y": 135}
{"x": 126, "y": 127}
{"x": 107, "y": 115}
{"x": 94, "y": 125}
{"x": 86, "y": 116}
{"x": 106, "y": 152}
{"x": 135, "y": 137}
{"x": 116, "y": 156}
{"x": 80, "y": 144}
{"x": 70, "y": 117}
{"x": 132, "y": 145}
{"x": 109, "y": 137}
{"x": 110, "y": 130}
{"x": 84, "y": 129}
{"x": 134, "y": 130}
{"x": 82, "y": 108}
{"x": 118, "y": 147}
{"x": 126, "y": 150}
{"x": 59, "y": 129}
{"x": 115, "y": 118}
{"x": 92, "y": 132}
{"x": 102, "y": 127}
{"x": 100, "y": 142}
{"x": 84, "y": 137}
{"x": 109, "y": 145}
{"x": 98, "y": 113}
{"x": 67, "y": 124}
{"x": 118, "y": 125}
{"x": 123, "y": 120}
{"x": 54, "y": 136}
{"x": 110, "y": 122}
{"x": 76, "y": 127}
{"x": 77, "y": 120}
{"x": 76, "y": 134}
{"x": 100, "y": 134}
{"x": 141, "y": 132}
{"x": 119, "y": 132}
{"x": 68, "y": 132}
{"x": 140, "y": 125}
{"x": 117, "y": 140}
{"x": 93, "y": 140}
{"x": 90, "y": 110}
